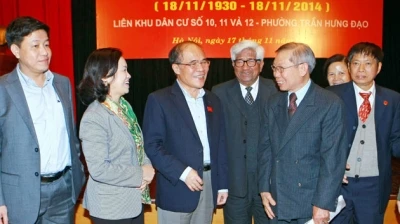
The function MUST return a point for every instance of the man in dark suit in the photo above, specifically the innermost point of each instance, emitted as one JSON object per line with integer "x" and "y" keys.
{"x": 41, "y": 174}
{"x": 184, "y": 136}
{"x": 373, "y": 129}
{"x": 302, "y": 152}
{"x": 243, "y": 100}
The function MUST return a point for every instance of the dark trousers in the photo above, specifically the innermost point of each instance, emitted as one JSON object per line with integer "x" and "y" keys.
{"x": 362, "y": 202}
{"x": 56, "y": 204}
{"x": 135, "y": 220}
{"x": 241, "y": 210}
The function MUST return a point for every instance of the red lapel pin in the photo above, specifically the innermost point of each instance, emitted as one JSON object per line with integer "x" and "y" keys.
{"x": 209, "y": 109}
{"x": 385, "y": 102}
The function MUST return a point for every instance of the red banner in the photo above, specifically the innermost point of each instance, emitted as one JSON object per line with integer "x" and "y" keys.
{"x": 149, "y": 29}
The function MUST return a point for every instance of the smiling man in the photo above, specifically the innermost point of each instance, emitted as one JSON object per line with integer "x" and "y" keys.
{"x": 41, "y": 174}
{"x": 302, "y": 151}
{"x": 373, "y": 126}
{"x": 243, "y": 100}
{"x": 184, "y": 137}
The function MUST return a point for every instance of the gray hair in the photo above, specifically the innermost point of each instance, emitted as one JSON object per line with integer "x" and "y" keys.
{"x": 247, "y": 44}
{"x": 301, "y": 53}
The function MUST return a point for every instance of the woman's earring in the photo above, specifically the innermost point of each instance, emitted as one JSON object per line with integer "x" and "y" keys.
{"x": 105, "y": 83}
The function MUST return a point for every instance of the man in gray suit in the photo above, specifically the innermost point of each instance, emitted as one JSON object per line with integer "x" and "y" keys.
{"x": 303, "y": 149}
{"x": 243, "y": 99}
{"x": 41, "y": 174}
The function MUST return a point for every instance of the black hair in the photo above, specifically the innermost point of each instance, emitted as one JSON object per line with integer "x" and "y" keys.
{"x": 366, "y": 48}
{"x": 100, "y": 64}
{"x": 332, "y": 59}
{"x": 175, "y": 53}
{"x": 22, "y": 27}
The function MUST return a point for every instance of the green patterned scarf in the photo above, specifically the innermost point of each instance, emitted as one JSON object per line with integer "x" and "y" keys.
{"x": 125, "y": 112}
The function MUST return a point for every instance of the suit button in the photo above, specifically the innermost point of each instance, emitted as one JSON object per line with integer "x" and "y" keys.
{"x": 244, "y": 141}
{"x": 349, "y": 145}
{"x": 362, "y": 142}
{"x": 277, "y": 161}
{"x": 297, "y": 161}
{"x": 36, "y": 174}
{"x": 364, "y": 126}
{"x": 245, "y": 156}
{"x": 354, "y": 127}
{"x": 245, "y": 123}
{"x": 36, "y": 149}
{"x": 299, "y": 184}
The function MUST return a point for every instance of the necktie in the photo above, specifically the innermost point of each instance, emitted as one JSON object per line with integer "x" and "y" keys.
{"x": 365, "y": 107}
{"x": 249, "y": 98}
{"x": 292, "y": 104}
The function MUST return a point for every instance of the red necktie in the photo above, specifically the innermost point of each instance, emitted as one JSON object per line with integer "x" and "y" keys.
{"x": 365, "y": 107}
{"x": 292, "y": 104}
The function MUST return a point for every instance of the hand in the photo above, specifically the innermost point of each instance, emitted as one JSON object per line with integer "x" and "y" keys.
{"x": 345, "y": 181}
{"x": 3, "y": 215}
{"x": 148, "y": 173}
{"x": 143, "y": 186}
{"x": 320, "y": 216}
{"x": 193, "y": 181}
{"x": 267, "y": 201}
{"x": 221, "y": 199}
{"x": 398, "y": 206}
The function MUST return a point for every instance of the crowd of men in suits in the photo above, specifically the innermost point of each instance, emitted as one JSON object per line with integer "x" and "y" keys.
{"x": 272, "y": 152}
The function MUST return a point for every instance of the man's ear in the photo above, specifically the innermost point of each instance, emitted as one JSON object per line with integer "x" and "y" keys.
{"x": 303, "y": 69}
{"x": 176, "y": 69}
{"x": 379, "y": 67}
{"x": 15, "y": 50}
{"x": 261, "y": 65}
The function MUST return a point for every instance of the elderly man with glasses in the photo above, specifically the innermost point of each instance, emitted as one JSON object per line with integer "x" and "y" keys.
{"x": 184, "y": 137}
{"x": 243, "y": 99}
{"x": 302, "y": 150}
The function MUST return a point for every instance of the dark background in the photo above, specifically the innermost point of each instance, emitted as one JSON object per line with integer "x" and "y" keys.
{"x": 149, "y": 75}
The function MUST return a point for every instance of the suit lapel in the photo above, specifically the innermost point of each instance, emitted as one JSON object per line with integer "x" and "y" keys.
{"x": 235, "y": 96}
{"x": 281, "y": 113}
{"x": 380, "y": 103}
{"x": 208, "y": 108}
{"x": 183, "y": 109}
{"x": 119, "y": 123}
{"x": 349, "y": 99}
{"x": 304, "y": 112}
{"x": 262, "y": 93}
{"x": 17, "y": 95}
{"x": 63, "y": 94}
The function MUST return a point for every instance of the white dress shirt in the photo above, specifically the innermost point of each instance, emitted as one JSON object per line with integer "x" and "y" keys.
{"x": 196, "y": 107}
{"x": 48, "y": 119}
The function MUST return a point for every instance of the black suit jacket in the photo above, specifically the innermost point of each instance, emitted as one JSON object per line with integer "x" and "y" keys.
{"x": 235, "y": 120}
{"x": 387, "y": 128}
{"x": 302, "y": 160}
{"x": 172, "y": 143}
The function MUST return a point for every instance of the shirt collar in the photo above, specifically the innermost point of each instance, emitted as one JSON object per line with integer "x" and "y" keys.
{"x": 187, "y": 95}
{"x": 370, "y": 90}
{"x": 254, "y": 86}
{"x": 301, "y": 93}
{"x": 30, "y": 82}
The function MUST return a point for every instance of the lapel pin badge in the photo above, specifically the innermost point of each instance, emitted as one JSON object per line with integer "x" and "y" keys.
{"x": 209, "y": 109}
{"x": 385, "y": 102}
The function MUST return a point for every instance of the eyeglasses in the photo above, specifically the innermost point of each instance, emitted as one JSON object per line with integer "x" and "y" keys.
{"x": 249, "y": 62}
{"x": 281, "y": 69}
{"x": 194, "y": 64}
{"x": 357, "y": 64}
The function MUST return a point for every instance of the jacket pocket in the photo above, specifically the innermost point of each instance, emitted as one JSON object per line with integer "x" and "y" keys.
{"x": 10, "y": 179}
